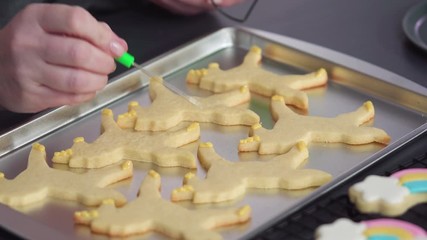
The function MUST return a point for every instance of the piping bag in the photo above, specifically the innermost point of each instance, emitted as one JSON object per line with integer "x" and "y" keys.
{"x": 128, "y": 61}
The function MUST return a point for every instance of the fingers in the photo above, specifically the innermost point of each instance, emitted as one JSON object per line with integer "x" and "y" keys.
{"x": 74, "y": 53}
{"x": 57, "y": 55}
{"x": 72, "y": 80}
{"x": 53, "y": 98}
{"x": 77, "y": 22}
{"x": 39, "y": 97}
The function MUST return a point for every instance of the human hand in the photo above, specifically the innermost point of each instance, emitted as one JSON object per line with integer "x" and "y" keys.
{"x": 52, "y": 55}
{"x": 192, "y": 7}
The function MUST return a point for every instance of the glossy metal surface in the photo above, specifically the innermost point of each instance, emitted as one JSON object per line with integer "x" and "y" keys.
{"x": 400, "y": 105}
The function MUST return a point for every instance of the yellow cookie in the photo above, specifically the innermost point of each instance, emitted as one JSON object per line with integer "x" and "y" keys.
{"x": 115, "y": 144}
{"x": 291, "y": 128}
{"x": 227, "y": 180}
{"x": 169, "y": 109}
{"x": 259, "y": 80}
{"x": 149, "y": 212}
{"x": 39, "y": 182}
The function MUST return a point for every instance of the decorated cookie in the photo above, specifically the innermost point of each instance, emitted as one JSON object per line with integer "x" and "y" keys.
{"x": 391, "y": 196}
{"x": 149, "y": 212}
{"x": 115, "y": 144}
{"x": 168, "y": 109}
{"x": 39, "y": 182}
{"x": 259, "y": 80}
{"x": 291, "y": 128}
{"x": 226, "y": 180}
{"x": 378, "y": 229}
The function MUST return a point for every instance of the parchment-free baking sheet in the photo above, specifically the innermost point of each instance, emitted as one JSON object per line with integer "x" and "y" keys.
{"x": 400, "y": 110}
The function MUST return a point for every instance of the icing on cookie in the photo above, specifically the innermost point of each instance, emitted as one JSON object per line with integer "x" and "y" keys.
{"x": 115, "y": 144}
{"x": 227, "y": 180}
{"x": 291, "y": 128}
{"x": 414, "y": 179}
{"x": 259, "y": 80}
{"x": 393, "y": 227}
{"x": 149, "y": 212}
{"x": 169, "y": 109}
{"x": 39, "y": 182}
{"x": 341, "y": 229}
{"x": 378, "y": 229}
{"x": 390, "y": 195}
{"x": 374, "y": 188}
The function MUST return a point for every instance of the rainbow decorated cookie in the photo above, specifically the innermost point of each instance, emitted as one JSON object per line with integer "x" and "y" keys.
{"x": 392, "y": 195}
{"x": 260, "y": 81}
{"x": 378, "y": 229}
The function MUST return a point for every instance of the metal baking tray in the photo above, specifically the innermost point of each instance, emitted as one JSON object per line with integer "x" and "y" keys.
{"x": 400, "y": 105}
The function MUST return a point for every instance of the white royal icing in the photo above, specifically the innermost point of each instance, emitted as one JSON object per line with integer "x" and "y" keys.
{"x": 341, "y": 229}
{"x": 387, "y": 189}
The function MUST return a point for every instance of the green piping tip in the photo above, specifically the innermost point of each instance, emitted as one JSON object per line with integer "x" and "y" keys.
{"x": 126, "y": 60}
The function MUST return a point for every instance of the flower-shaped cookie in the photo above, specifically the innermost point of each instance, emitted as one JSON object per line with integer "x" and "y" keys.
{"x": 169, "y": 109}
{"x": 149, "y": 212}
{"x": 227, "y": 180}
{"x": 259, "y": 80}
{"x": 115, "y": 144}
{"x": 392, "y": 195}
{"x": 39, "y": 182}
{"x": 291, "y": 128}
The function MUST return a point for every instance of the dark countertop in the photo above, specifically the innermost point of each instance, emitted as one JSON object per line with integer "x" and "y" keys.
{"x": 369, "y": 30}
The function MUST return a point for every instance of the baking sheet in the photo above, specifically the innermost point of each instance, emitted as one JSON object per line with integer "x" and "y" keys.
{"x": 400, "y": 108}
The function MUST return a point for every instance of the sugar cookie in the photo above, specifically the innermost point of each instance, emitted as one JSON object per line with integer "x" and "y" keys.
{"x": 227, "y": 180}
{"x": 149, "y": 212}
{"x": 390, "y": 196}
{"x": 115, "y": 144}
{"x": 39, "y": 182}
{"x": 169, "y": 109}
{"x": 291, "y": 128}
{"x": 260, "y": 81}
{"x": 382, "y": 228}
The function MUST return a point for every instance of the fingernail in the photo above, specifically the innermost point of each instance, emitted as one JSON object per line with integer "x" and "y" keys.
{"x": 123, "y": 43}
{"x": 218, "y": 1}
{"x": 116, "y": 48}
